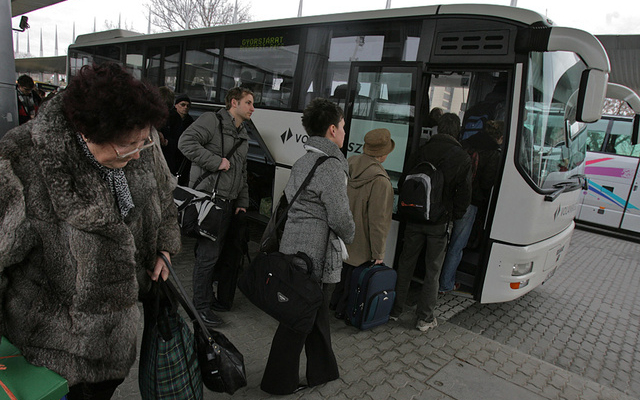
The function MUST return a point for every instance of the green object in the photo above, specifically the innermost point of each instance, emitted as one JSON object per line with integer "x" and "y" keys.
{"x": 26, "y": 381}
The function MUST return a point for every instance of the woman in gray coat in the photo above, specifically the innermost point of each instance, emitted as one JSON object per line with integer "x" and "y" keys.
{"x": 86, "y": 204}
{"x": 319, "y": 223}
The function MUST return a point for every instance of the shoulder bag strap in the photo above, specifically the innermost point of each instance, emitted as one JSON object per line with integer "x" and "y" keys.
{"x": 183, "y": 298}
{"x": 233, "y": 149}
{"x": 295, "y": 196}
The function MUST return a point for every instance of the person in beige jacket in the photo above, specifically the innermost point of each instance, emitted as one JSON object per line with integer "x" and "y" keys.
{"x": 371, "y": 202}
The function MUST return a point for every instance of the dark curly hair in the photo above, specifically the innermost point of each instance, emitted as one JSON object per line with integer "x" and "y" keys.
{"x": 319, "y": 115}
{"x": 105, "y": 103}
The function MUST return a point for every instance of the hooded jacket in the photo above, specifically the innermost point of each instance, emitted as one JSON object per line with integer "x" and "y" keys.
{"x": 321, "y": 213}
{"x": 71, "y": 267}
{"x": 202, "y": 143}
{"x": 371, "y": 203}
{"x": 489, "y": 156}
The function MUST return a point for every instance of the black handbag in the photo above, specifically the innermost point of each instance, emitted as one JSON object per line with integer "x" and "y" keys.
{"x": 201, "y": 214}
{"x": 270, "y": 241}
{"x": 221, "y": 363}
{"x": 279, "y": 285}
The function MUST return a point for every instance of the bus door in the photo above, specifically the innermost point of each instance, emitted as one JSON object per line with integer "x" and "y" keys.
{"x": 613, "y": 197}
{"x": 380, "y": 95}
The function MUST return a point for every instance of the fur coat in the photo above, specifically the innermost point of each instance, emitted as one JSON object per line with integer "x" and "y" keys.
{"x": 71, "y": 268}
{"x": 321, "y": 213}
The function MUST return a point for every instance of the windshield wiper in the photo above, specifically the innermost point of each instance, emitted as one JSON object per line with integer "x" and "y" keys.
{"x": 562, "y": 187}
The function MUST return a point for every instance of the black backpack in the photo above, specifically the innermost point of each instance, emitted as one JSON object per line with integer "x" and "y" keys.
{"x": 420, "y": 198}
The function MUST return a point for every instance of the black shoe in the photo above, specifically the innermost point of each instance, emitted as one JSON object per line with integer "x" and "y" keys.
{"x": 210, "y": 319}
{"x": 339, "y": 315}
{"x": 217, "y": 306}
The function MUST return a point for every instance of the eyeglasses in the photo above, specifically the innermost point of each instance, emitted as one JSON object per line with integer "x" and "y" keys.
{"x": 148, "y": 142}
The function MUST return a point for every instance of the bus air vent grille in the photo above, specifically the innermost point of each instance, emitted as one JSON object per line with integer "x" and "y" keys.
{"x": 472, "y": 43}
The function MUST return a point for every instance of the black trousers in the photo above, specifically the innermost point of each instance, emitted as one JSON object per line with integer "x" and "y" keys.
{"x": 340, "y": 297}
{"x": 94, "y": 391}
{"x": 281, "y": 373}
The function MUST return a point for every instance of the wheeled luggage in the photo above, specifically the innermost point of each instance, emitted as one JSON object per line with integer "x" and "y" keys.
{"x": 372, "y": 292}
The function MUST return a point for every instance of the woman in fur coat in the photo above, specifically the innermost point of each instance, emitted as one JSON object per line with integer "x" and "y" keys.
{"x": 85, "y": 206}
{"x": 319, "y": 224}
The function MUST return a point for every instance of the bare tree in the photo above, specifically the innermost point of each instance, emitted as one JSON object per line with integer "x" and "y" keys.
{"x": 174, "y": 15}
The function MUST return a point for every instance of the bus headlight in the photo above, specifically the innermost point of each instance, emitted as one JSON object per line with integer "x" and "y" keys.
{"x": 522, "y": 269}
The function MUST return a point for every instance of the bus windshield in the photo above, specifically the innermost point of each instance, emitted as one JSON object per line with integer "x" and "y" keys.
{"x": 543, "y": 154}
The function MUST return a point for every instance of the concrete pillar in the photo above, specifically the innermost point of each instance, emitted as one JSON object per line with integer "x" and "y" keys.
{"x": 8, "y": 101}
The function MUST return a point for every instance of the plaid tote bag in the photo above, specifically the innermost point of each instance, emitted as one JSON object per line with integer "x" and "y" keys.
{"x": 169, "y": 368}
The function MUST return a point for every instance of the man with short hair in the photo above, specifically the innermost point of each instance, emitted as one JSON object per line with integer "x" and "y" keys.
{"x": 28, "y": 99}
{"x": 207, "y": 145}
{"x": 444, "y": 152}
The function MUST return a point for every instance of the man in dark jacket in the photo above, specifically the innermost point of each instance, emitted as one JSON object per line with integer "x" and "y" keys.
{"x": 207, "y": 145}
{"x": 484, "y": 148}
{"x": 443, "y": 151}
{"x": 28, "y": 99}
{"x": 179, "y": 121}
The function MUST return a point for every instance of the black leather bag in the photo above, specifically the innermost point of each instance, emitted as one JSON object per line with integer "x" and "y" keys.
{"x": 279, "y": 285}
{"x": 221, "y": 363}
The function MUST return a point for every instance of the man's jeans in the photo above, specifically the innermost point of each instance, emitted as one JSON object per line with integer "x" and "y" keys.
{"x": 459, "y": 236}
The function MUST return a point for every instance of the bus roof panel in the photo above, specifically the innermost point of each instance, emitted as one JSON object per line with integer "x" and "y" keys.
{"x": 515, "y": 14}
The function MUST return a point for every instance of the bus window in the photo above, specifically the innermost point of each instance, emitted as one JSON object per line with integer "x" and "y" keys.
{"x": 262, "y": 62}
{"x": 134, "y": 60}
{"x": 78, "y": 58}
{"x": 552, "y": 80}
{"x": 619, "y": 141}
{"x": 596, "y": 133}
{"x": 332, "y": 50}
{"x": 201, "y": 68}
{"x": 384, "y": 98}
{"x": 112, "y": 53}
{"x": 171, "y": 66}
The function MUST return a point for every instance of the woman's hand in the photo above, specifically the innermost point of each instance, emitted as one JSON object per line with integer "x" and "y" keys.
{"x": 160, "y": 268}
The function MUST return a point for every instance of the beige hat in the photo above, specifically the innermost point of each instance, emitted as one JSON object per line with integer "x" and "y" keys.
{"x": 378, "y": 142}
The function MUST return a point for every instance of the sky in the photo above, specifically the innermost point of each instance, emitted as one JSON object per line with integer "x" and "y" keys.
{"x": 618, "y": 17}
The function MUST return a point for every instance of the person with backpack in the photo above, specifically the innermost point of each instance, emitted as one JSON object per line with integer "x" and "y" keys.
{"x": 445, "y": 154}
{"x": 485, "y": 152}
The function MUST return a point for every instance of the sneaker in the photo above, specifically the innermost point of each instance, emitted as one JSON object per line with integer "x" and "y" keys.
{"x": 394, "y": 317}
{"x": 210, "y": 319}
{"x": 424, "y": 326}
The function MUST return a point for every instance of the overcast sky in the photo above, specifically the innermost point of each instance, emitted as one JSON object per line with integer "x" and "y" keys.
{"x": 618, "y": 17}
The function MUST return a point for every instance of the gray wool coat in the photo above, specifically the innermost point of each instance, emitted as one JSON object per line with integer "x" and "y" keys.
{"x": 321, "y": 213}
{"x": 71, "y": 268}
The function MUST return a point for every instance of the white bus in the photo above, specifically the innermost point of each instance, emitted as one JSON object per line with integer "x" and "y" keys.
{"x": 613, "y": 159}
{"x": 389, "y": 68}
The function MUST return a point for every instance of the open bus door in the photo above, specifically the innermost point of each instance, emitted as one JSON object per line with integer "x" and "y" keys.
{"x": 381, "y": 95}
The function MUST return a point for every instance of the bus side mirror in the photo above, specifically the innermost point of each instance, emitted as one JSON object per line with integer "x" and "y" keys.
{"x": 634, "y": 132}
{"x": 589, "y": 109}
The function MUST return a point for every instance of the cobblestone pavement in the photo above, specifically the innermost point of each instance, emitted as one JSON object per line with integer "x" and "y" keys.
{"x": 585, "y": 320}
{"x": 573, "y": 338}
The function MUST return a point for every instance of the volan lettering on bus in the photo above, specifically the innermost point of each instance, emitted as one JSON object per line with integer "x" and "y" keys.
{"x": 390, "y": 69}
{"x": 355, "y": 148}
